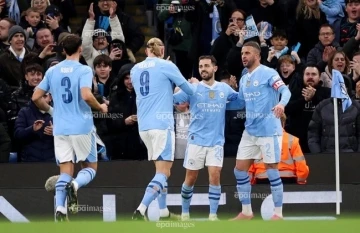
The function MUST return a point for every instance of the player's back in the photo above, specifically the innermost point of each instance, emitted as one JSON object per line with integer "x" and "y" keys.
{"x": 154, "y": 93}
{"x": 261, "y": 97}
{"x": 72, "y": 115}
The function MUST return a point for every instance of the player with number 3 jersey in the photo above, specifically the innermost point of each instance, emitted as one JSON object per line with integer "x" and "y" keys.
{"x": 153, "y": 81}
{"x": 75, "y": 138}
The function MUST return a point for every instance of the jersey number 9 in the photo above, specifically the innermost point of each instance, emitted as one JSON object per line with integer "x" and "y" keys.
{"x": 67, "y": 97}
{"x": 144, "y": 82}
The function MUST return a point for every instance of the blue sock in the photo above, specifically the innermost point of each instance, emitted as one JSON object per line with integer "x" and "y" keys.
{"x": 277, "y": 187}
{"x": 162, "y": 197}
{"x": 214, "y": 198}
{"x": 186, "y": 194}
{"x": 84, "y": 177}
{"x": 243, "y": 186}
{"x": 154, "y": 188}
{"x": 60, "y": 185}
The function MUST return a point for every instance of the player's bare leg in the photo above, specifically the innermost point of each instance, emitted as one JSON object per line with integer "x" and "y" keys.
{"x": 85, "y": 176}
{"x": 214, "y": 191}
{"x": 187, "y": 192}
{"x": 243, "y": 188}
{"x": 154, "y": 188}
{"x": 276, "y": 189}
{"x": 66, "y": 173}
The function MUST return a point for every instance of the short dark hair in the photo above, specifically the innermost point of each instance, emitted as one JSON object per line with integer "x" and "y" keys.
{"x": 102, "y": 59}
{"x": 10, "y": 21}
{"x": 279, "y": 34}
{"x": 313, "y": 66}
{"x": 34, "y": 67}
{"x": 326, "y": 25}
{"x": 356, "y": 54}
{"x": 253, "y": 44}
{"x": 71, "y": 44}
{"x": 211, "y": 57}
{"x": 351, "y": 1}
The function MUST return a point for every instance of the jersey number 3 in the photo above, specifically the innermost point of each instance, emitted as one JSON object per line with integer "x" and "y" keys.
{"x": 144, "y": 82}
{"x": 67, "y": 97}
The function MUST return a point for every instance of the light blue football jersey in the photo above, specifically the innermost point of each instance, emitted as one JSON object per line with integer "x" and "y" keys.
{"x": 259, "y": 90}
{"x": 71, "y": 115}
{"x": 153, "y": 81}
{"x": 207, "y": 111}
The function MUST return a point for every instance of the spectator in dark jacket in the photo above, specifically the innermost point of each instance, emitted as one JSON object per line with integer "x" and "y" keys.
{"x": 321, "y": 134}
{"x": 37, "y": 140}
{"x": 5, "y": 25}
{"x": 306, "y": 94}
{"x": 290, "y": 70}
{"x": 322, "y": 51}
{"x": 123, "y": 126}
{"x": 5, "y": 141}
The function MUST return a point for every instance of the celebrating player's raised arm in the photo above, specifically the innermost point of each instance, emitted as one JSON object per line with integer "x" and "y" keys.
{"x": 173, "y": 73}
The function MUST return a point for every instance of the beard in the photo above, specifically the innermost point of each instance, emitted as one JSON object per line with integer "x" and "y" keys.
{"x": 249, "y": 63}
{"x": 206, "y": 76}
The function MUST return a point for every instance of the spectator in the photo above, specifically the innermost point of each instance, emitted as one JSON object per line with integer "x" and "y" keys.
{"x": 322, "y": 51}
{"x": 337, "y": 61}
{"x": 10, "y": 60}
{"x": 97, "y": 42}
{"x": 182, "y": 122}
{"x": 306, "y": 94}
{"x": 37, "y": 140}
{"x": 292, "y": 167}
{"x": 132, "y": 33}
{"x": 333, "y": 9}
{"x": 120, "y": 55}
{"x": 43, "y": 37}
{"x": 180, "y": 37}
{"x": 279, "y": 48}
{"x": 322, "y": 132}
{"x": 309, "y": 18}
{"x": 40, "y": 5}
{"x": 5, "y": 25}
{"x": 357, "y": 91}
{"x": 345, "y": 28}
{"x": 5, "y": 141}
{"x": 270, "y": 11}
{"x": 123, "y": 127}
{"x": 67, "y": 10}
{"x": 290, "y": 70}
{"x": 31, "y": 21}
{"x": 234, "y": 121}
{"x": 103, "y": 76}
{"x": 355, "y": 68}
{"x": 352, "y": 45}
{"x": 229, "y": 39}
{"x": 53, "y": 20}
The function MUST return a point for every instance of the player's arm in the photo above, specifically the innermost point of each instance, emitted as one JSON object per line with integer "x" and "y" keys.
{"x": 181, "y": 97}
{"x": 85, "y": 89}
{"x": 277, "y": 83}
{"x": 173, "y": 73}
{"x": 39, "y": 92}
{"x": 236, "y": 99}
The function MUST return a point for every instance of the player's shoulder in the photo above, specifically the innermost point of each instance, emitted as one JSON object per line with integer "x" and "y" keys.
{"x": 268, "y": 70}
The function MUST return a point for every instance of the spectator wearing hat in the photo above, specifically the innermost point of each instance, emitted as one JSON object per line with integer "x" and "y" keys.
{"x": 10, "y": 60}
{"x": 5, "y": 25}
{"x": 96, "y": 42}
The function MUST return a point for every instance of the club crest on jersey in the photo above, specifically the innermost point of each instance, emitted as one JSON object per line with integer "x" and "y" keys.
{"x": 211, "y": 94}
{"x": 222, "y": 95}
{"x": 256, "y": 83}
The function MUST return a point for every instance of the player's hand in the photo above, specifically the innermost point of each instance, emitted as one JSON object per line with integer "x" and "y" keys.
{"x": 38, "y": 124}
{"x": 103, "y": 108}
{"x": 129, "y": 121}
{"x": 193, "y": 80}
{"x": 49, "y": 129}
{"x": 278, "y": 110}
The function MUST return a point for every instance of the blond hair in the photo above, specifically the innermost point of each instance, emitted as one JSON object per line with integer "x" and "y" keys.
{"x": 306, "y": 11}
{"x": 154, "y": 45}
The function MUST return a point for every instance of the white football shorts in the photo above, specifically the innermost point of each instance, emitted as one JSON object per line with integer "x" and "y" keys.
{"x": 160, "y": 144}
{"x": 267, "y": 148}
{"x": 77, "y": 148}
{"x": 196, "y": 157}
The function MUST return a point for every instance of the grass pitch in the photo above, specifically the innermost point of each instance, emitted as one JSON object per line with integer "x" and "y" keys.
{"x": 341, "y": 225}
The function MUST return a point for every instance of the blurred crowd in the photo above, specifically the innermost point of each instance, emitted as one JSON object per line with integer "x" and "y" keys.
{"x": 304, "y": 40}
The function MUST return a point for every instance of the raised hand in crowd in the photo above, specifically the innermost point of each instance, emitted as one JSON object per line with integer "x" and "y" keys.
{"x": 231, "y": 29}
{"x": 112, "y": 10}
{"x": 355, "y": 67}
{"x": 130, "y": 120}
{"x": 47, "y": 51}
{"x": 296, "y": 56}
{"x": 52, "y": 22}
{"x": 116, "y": 54}
{"x": 308, "y": 93}
{"x": 38, "y": 124}
{"x": 357, "y": 37}
{"x": 2, "y": 5}
{"x": 327, "y": 53}
{"x": 91, "y": 12}
{"x": 48, "y": 130}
